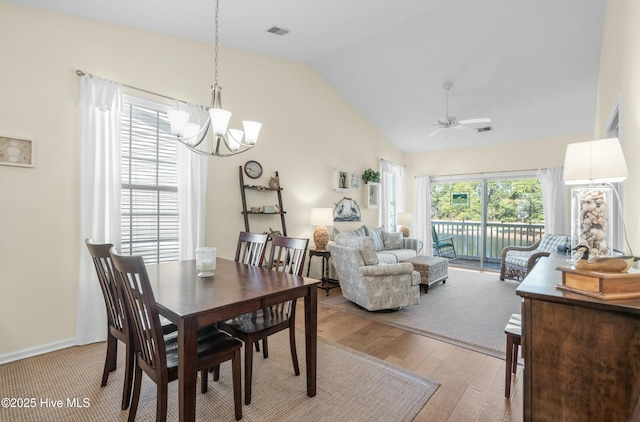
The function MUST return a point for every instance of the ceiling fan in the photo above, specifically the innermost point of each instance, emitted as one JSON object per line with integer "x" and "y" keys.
{"x": 450, "y": 122}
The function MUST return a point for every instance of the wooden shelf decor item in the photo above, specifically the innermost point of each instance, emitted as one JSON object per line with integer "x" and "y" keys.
{"x": 602, "y": 285}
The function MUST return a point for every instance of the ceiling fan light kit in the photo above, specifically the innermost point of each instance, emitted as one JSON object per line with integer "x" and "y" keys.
{"x": 451, "y": 122}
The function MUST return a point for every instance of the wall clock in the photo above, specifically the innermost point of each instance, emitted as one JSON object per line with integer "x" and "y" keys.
{"x": 253, "y": 169}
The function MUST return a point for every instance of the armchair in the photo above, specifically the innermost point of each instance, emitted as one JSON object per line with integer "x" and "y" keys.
{"x": 518, "y": 261}
{"x": 369, "y": 284}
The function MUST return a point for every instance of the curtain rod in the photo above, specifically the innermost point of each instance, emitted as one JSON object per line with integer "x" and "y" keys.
{"x": 397, "y": 164}
{"x": 81, "y": 73}
{"x": 489, "y": 173}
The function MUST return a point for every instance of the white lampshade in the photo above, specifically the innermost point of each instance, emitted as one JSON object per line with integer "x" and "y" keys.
{"x": 321, "y": 217}
{"x": 404, "y": 218}
{"x": 594, "y": 162}
{"x": 190, "y": 131}
{"x": 234, "y": 138}
{"x": 251, "y": 131}
{"x": 219, "y": 120}
{"x": 178, "y": 120}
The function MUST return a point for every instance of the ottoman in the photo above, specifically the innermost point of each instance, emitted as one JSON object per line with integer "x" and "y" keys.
{"x": 432, "y": 269}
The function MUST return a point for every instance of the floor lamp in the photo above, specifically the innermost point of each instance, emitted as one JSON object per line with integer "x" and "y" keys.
{"x": 591, "y": 168}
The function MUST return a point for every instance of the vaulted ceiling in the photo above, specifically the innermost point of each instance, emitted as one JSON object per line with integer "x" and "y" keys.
{"x": 530, "y": 66}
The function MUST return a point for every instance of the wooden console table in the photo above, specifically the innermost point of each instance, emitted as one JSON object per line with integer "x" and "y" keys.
{"x": 327, "y": 283}
{"x": 581, "y": 354}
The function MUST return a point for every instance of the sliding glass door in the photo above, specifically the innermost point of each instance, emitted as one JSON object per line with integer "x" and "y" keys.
{"x": 484, "y": 214}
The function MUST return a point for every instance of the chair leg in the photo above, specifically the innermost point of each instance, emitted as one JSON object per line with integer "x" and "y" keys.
{"x": 128, "y": 376}
{"x": 216, "y": 372}
{"x": 204, "y": 381}
{"x": 161, "y": 403}
{"x": 265, "y": 348}
{"x": 508, "y": 366}
{"x": 237, "y": 388}
{"x": 248, "y": 372}
{"x": 136, "y": 394}
{"x": 257, "y": 343}
{"x": 294, "y": 353}
{"x": 110, "y": 359}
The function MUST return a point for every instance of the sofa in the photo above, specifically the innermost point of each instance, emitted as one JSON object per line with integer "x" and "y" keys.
{"x": 368, "y": 283}
{"x": 390, "y": 248}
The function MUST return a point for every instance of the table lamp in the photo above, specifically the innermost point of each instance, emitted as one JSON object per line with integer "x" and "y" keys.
{"x": 321, "y": 217}
{"x": 596, "y": 164}
{"x": 404, "y": 219}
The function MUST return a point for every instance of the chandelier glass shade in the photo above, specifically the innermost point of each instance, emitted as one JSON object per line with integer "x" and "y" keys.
{"x": 213, "y": 137}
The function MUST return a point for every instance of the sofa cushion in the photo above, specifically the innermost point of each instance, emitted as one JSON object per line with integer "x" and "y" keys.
{"x": 392, "y": 240}
{"x": 395, "y": 255}
{"x": 362, "y": 244}
{"x": 376, "y": 235}
{"x": 550, "y": 242}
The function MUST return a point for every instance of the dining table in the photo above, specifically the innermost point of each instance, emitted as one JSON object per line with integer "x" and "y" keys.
{"x": 191, "y": 302}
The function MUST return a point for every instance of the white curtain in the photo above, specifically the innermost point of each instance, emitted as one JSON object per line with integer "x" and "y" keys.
{"x": 101, "y": 104}
{"x": 192, "y": 192}
{"x": 387, "y": 168}
{"x": 422, "y": 215}
{"x": 554, "y": 201}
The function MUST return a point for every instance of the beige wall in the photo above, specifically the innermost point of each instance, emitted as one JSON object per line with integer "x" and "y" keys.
{"x": 515, "y": 156}
{"x": 308, "y": 131}
{"x": 620, "y": 74}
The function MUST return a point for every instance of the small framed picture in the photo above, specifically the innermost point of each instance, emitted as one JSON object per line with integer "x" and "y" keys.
{"x": 373, "y": 194}
{"x": 16, "y": 152}
{"x": 355, "y": 180}
{"x": 342, "y": 180}
{"x": 460, "y": 198}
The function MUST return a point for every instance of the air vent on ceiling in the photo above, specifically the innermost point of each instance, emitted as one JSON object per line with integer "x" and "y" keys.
{"x": 278, "y": 31}
{"x": 485, "y": 129}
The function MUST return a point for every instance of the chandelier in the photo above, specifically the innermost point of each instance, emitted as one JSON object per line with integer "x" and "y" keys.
{"x": 224, "y": 142}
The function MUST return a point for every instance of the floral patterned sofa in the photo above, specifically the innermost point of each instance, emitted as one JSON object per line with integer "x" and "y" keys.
{"x": 367, "y": 282}
{"x": 389, "y": 247}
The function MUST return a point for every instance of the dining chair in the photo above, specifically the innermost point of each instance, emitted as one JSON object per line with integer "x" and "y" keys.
{"x": 117, "y": 325}
{"x": 251, "y": 248}
{"x": 117, "y": 318}
{"x": 157, "y": 355}
{"x": 287, "y": 255}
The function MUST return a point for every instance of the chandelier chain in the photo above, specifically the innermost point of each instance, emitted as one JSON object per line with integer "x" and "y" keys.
{"x": 216, "y": 44}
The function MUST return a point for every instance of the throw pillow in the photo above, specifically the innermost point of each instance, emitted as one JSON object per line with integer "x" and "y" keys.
{"x": 363, "y": 244}
{"x": 360, "y": 232}
{"x": 392, "y": 240}
{"x": 376, "y": 235}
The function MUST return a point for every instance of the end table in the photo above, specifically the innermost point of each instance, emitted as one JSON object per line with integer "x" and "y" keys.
{"x": 327, "y": 283}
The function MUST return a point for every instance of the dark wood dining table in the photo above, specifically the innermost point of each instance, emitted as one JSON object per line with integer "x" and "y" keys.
{"x": 191, "y": 302}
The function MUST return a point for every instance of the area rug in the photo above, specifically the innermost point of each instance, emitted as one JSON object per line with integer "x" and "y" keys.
{"x": 470, "y": 310}
{"x": 350, "y": 386}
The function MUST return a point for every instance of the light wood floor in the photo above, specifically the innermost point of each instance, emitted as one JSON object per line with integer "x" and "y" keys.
{"x": 472, "y": 384}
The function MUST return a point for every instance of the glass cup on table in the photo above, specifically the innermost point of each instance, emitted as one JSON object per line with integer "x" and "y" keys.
{"x": 206, "y": 261}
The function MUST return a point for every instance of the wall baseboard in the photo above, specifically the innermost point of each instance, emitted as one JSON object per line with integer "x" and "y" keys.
{"x": 37, "y": 350}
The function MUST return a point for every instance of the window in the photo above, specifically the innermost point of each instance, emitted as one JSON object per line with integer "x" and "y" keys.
{"x": 149, "y": 200}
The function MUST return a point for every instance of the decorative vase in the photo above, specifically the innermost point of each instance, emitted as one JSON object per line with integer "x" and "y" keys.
{"x": 321, "y": 237}
{"x": 591, "y": 219}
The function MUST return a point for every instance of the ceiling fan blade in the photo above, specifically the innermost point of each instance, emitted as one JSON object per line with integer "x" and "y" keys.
{"x": 472, "y": 121}
{"x": 434, "y": 132}
{"x": 461, "y": 127}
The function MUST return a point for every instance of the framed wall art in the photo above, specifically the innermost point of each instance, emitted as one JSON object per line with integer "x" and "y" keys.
{"x": 373, "y": 194}
{"x": 16, "y": 152}
{"x": 342, "y": 180}
{"x": 346, "y": 210}
{"x": 355, "y": 180}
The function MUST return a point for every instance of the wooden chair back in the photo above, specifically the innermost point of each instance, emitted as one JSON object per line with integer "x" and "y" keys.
{"x": 287, "y": 254}
{"x": 251, "y": 248}
{"x": 107, "y": 277}
{"x": 143, "y": 311}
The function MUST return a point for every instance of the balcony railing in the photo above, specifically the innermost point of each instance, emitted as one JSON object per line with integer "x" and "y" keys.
{"x": 468, "y": 237}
